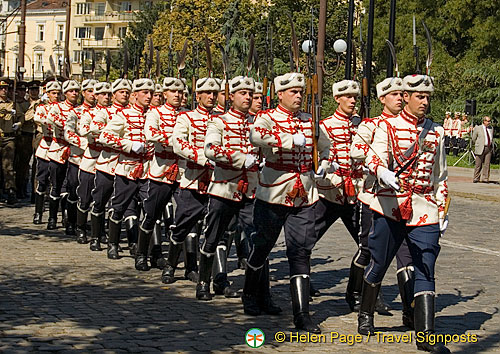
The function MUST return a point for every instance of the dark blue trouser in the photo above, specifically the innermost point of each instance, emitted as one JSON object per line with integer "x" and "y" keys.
{"x": 386, "y": 238}
{"x": 42, "y": 175}
{"x": 300, "y": 235}
{"x": 191, "y": 208}
{"x": 159, "y": 194}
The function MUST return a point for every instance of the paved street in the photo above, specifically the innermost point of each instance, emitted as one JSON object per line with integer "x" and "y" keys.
{"x": 56, "y": 295}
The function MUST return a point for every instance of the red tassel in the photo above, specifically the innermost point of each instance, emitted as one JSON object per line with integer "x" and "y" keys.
{"x": 171, "y": 173}
{"x": 242, "y": 186}
{"x": 203, "y": 182}
{"x": 406, "y": 209}
{"x": 349, "y": 187}
{"x": 65, "y": 154}
{"x": 137, "y": 172}
{"x": 298, "y": 189}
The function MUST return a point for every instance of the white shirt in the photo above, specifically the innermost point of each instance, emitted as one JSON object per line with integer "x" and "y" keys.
{"x": 487, "y": 133}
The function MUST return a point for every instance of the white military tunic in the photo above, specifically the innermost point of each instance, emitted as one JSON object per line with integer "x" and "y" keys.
{"x": 72, "y": 134}
{"x": 59, "y": 150}
{"x": 40, "y": 119}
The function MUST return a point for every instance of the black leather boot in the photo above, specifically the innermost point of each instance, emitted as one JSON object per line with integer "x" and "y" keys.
{"x": 11, "y": 197}
{"x": 250, "y": 291}
{"x": 71, "y": 218}
{"x": 96, "y": 226}
{"x": 156, "y": 254}
{"x": 114, "y": 239}
{"x": 64, "y": 209}
{"x": 141, "y": 255}
{"x": 167, "y": 275}
{"x": 39, "y": 200}
{"x": 405, "y": 283}
{"x": 53, "y": 208}
{"x": 264, "y": 297}
{"x": 203, "y": 286}
{"x": 81, "y": 226}
{"x": 367, "y": 308}
{"x": 424, "y": 324}
{"x": 242, "y": 248}
{"x": 221, "y": 284}
{"x": 132, "y": 229}
{"x": 381, "y": 306}
{"x": 299, "y": 288}
{"x": 191, "y": 258}
{"x": 354, "y": 287}
{"x": 313, "y": 292}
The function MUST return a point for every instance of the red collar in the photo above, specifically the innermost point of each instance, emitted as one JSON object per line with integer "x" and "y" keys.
{"x": 117, "y": 105}
{"x": 202, "y": 110}
{"x": 139, "y": 108}
{"x": 411, "y": 118}
{"x": 100, "y": 106}
{"x": 220, "y": 108}
{"x": 341, "y": 115}
{"x": 283, "y": 110}
{"x": 237, "y": 113}
{"x": 86, "y": 105}
{"x": 170, "y": 107}
{"x": 69, "y": 103}
{"x": 384, "y": 115}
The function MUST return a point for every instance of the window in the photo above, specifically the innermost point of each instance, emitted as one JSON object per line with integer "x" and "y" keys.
{"x": 79, "y": 55}
{"x": 39, "y": 62}
{"x": 60, "y": 33}
{"x": 100, "y": 8}
{"x": 82, "y": 32}
{"x": 40, "y": 30}
{"x": 83, "y": 8}
{"x": 122, "y": 32}
{"x": 99, "y": 33}
{"x": 125, "y": 6}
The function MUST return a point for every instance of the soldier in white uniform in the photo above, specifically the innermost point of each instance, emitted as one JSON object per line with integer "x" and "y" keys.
{"x": 447, "y": 132}
{"x": 106, "y": 161}
{"x": 188, "y": 142}
{"x": 59, "y": 150}
{"x": 78, "y": 145}
{"x": 86, "y": 175}
{"x": 232, "y": 187}
{"x": 163, "y": 171}
{"x": 157, "y": 99}
{"x": 125, "y": 133}
{"x": 285, "y": 198}
{"x": 409, "y": 161}
{"x": 53, "y": 89}
{"x": 390, "y": 93}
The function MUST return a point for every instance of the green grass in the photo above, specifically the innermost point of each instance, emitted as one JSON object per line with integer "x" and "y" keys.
{"x": 465, "y": 161}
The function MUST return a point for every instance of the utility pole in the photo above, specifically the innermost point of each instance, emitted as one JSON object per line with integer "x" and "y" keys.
{"x": 66, "y": 69}
{"x": 22, "y": 41}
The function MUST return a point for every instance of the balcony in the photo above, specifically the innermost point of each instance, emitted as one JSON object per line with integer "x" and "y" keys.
{"x": 111, "y": 43}
{"x": 110, "y": 17}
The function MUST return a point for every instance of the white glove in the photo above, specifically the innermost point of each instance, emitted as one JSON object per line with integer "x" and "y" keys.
{"x": 389, "y": 179}
{"x": 210, "y": 162}
{"x": 250, "y": 160}
{"x": 137, "y": 147}
{"x": 13, "y": 112}
{"x": 366, "y": 170}
{"x": 16, "y": 126}
{"x": 299, "y": 139}
{"x": 263, "y": 163}
{"x": 320, "y": 173}
{"x": 334, "y": 167}
{"x": 443, "y": 224}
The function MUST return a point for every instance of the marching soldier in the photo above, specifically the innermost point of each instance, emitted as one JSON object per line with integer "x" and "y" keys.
{"x": 447, "y": 132}
{"x": 125, "y": 133}
{"x": 106, "y": 162}
{"x": 232, "y": 186}
{"x": 286, "y": 196}
{"x": 53, "y": 89}
{"x": 390, "y": 94}
{"x": 163, "y": 171}
{"x": 257, "y": 100}
{"x": 24, "y": 141}
{"x": 408, "y": 159}
{"x": 59, "y": 150}
{"x": 34, "y": 98}
{"x": 221, "y": 98}
{"x": 188, "y": 142}
{"x": 86, "y": 175}
{"x": 78, "y": 145}
{"x": 157, "y": 99}
{"x": 9, "y": 125}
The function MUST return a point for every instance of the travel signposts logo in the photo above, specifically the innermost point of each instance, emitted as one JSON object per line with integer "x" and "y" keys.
{"x": 255, "y": 338}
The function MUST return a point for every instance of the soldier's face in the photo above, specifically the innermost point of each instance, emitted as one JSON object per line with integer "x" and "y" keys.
{"x": 207, "y": 99}
{"x": 173, "y": 98}
{"x": 184, "y": 99}
{"x": 393, "y": 101}
{"x": 72, "y": 96}
{"x": 291, "y": 99}
{"x": 347, "y": 103}
{"x": 122, "y": 97}
{"x": 242, "y": 100}
{"x": 89, "y": 96}
{"x": 3, "y": 91}
{"x": 34, "y": 92}
{"x": 417, "y": 103}
{"x": 256, "y": 103}
{"x": 143, "y": 97}
{"x": 53, "y": 95}
{"x": 221, "y": 98}
{"x": 104, "y": 99}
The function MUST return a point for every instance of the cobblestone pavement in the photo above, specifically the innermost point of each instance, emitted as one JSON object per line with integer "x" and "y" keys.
{"x": 56, "y": 295}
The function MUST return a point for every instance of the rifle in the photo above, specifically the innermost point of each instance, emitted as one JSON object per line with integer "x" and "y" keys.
{"x": 392, "y": 31}
{"x": 367, "y": 70}
{"x": 125, "y": 61}
{"x": 108, "y": 63}
{"x": 271, "y": 85}
{"x": 265, "y": 81}
{"x": 92, "y": 64}
{"x": 195, "y": 71}
{"x": 415, "y": 47}
{"x": 225, "y": 65}
{"x": 151, "y": 56}
{"x": 170, "y": 71}
{"x": 181, "y": 59}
